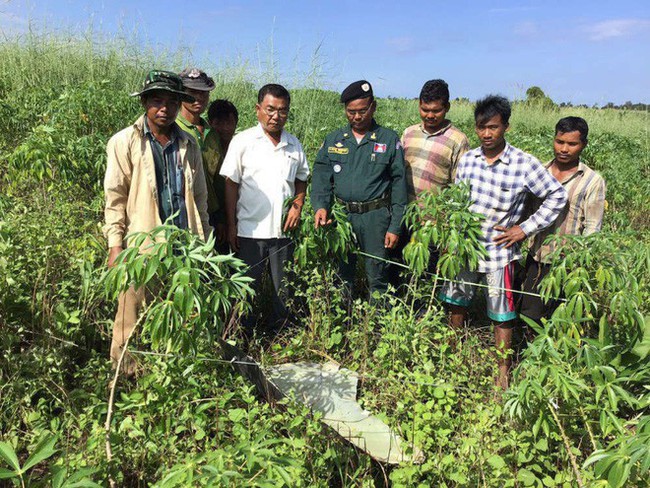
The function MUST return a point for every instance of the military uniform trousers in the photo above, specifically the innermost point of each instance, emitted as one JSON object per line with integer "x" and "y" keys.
{"x": 370, "y": 229}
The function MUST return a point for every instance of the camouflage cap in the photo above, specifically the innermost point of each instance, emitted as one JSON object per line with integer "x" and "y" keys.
{"x": 168, "y": 81}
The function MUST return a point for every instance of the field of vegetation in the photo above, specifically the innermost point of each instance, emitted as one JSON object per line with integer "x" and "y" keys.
{"x": 577, "y": 412}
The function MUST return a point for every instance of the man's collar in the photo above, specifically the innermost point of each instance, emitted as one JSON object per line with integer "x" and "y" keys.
{"x": 504, "y": 157}
{"x": 582, "y": 167}
{"x": 173, "y": 134}
{"x": 186, "y": 123}
{"x": 371, "y": 132}
{"x": 442, "y": 129}
{"x": 284, "y": 140}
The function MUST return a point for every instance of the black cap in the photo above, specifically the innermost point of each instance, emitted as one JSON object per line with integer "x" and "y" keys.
{"x": 354, "y": 91}
{"x": 164, "y": 81}
{"x": 195, "y": 79}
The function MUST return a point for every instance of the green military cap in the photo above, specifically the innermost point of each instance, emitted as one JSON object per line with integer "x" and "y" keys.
{"x": 167, "y": 81}
{"x": 354, "y": 91}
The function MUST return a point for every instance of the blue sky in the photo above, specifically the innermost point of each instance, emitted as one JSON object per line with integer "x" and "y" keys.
{"x": 576, "y": 50}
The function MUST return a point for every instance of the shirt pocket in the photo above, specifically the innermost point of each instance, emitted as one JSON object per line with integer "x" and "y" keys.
{"x": 380, "y": 158}
{"x": 507, "y": 195}
{"x": 290, "y": 167}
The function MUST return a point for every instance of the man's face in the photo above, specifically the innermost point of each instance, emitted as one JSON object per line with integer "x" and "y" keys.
{"x": 272, "y": 113}
{"x": 433, "y": 114}
{"x": 492, "y": 132}
{"x": 201, "y": 99}
{"x": 359, "y": 113}
{"x": 225, "y": 127}
{"x": 568, "y": 147}
{"x": 161, "y": 108}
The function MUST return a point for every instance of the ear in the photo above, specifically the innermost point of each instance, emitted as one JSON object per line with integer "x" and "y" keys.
{"x": 508, "y": 127}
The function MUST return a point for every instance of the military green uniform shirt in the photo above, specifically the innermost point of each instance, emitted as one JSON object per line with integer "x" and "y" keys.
{"x": 361, "y": 172}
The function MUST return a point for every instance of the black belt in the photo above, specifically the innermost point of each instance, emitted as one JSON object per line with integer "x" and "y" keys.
{"x": 363, "y": 207}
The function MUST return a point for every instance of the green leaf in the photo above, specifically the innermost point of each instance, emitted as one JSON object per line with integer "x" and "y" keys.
{"x": 236, "y": 414}
{"x": 7, "y": 453}
{"x": 5, "y": 473}
{"x": 526, "y": 477}
{"x": 43, "y": 450}
{"x": 496, "y": 461}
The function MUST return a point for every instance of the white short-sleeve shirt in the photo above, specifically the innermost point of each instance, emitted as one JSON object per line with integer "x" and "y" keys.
{"x": 266, "y": 177}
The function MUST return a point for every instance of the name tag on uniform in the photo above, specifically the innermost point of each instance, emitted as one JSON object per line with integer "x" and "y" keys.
{"x": 338, "y": 150}
{"x": 379, "y": 148}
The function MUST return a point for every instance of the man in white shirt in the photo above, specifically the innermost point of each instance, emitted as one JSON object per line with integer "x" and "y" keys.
{"x": 265, "y": 166}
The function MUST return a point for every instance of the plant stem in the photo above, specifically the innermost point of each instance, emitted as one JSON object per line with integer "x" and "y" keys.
{"x": 567, "y": 446}
{"x": 111, "y": 397}
{"x": 591, "y": 434}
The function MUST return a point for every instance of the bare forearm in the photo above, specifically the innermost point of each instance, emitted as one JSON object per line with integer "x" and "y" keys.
{"x": 301, "y": 191}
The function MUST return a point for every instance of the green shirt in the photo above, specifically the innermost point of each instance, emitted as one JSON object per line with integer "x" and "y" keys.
{"x": 212, "y": 158}
{"x": 193, "y": 129}
{"x": 360, "y": 172}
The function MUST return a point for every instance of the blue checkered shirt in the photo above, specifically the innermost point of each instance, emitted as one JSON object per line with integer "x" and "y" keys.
{"x": 499, "y": 191}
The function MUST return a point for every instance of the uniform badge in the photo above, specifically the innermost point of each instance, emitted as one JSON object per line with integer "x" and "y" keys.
{"x": 373, "y": 137}
{"x": 345, "y": 135}
{"x": 379, "y": 148}
{"x": 339, "y": 144}
{"x": 398, "y": 145}
{"x": 337, "y": 168}
{"x": 338, "y": 150}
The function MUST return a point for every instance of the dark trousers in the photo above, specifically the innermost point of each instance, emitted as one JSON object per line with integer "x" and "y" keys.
{"x": 370, "y": 229}
{"x": 534, "y": 307}
{"x": 271, "y": 254}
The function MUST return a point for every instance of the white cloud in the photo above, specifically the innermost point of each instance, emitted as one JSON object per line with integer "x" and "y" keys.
{"x": 610, "y": 29}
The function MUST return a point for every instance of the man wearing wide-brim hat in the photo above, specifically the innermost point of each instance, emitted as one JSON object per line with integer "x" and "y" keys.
{"x": 154, "y": 174}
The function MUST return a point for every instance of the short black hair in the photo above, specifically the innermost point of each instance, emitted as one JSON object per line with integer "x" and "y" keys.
{"x": 275, "y": 90}
{"x": 221, "y": 110}
{"x": 434, "y": 90}
{"x": 492, "y": 105}
{"x": 571, "y": 124}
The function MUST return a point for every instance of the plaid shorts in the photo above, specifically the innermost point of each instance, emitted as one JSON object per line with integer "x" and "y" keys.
{"x": 498, "y": 292}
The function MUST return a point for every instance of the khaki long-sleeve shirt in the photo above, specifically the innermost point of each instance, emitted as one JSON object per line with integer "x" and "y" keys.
{"x": 130, "y": 185}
